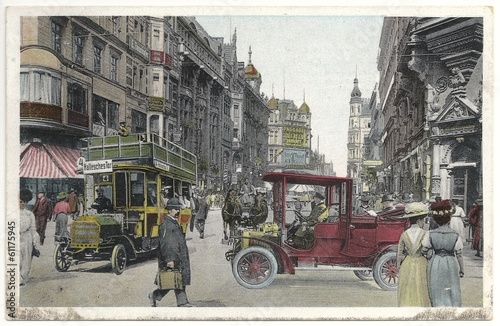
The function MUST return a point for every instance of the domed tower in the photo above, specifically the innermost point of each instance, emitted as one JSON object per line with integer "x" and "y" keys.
{"x": 358, "y": 130}
{"x": 305, "y": 112}
{"x": 252, "y": 76}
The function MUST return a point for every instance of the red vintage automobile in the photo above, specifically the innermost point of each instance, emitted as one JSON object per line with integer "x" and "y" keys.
{"x": 364, "y": 243}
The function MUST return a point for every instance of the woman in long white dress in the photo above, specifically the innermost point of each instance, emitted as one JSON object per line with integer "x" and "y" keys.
{"x": 28, "y": 235}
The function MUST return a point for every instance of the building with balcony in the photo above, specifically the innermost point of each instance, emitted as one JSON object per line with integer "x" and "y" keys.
{"x": 93, "y": 76}
{"x": 431, "y": 100}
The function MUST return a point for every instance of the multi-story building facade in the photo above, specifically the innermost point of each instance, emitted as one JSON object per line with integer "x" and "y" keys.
{"x": 92, "y": 76}
{"x": 358, "y": 130}
{"x": 289, "y": 135}
{"x": 373, "y": 149}
{"x": 430, "y": 90}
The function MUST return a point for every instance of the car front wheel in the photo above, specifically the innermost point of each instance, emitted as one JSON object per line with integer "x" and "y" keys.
{"x": 255, "y": 267}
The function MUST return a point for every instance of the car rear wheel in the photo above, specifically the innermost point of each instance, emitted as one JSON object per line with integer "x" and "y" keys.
{"x": 255, "y": 267}
{"x": 62, "y": 258}
{"x": 385, "y": 271}
{"x": 118, "y": 259}
{"x": 364, "y": 275}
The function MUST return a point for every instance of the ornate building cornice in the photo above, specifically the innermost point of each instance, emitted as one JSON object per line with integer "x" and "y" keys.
{"x": 457, "y": 42}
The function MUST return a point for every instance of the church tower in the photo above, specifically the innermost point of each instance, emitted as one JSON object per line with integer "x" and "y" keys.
{"x": 358, "y": 130}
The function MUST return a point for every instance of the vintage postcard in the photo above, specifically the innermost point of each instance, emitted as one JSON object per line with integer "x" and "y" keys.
{"x": 189, "y": 162}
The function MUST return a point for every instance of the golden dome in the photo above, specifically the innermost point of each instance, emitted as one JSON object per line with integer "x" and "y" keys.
{"x": 304, "y": 108}
{"x": 272, "y": 103}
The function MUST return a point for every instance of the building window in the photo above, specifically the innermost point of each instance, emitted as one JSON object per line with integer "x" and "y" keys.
{"x": 97, "y": 59}
{"x": 56, "y": 36}
{"x": 154, "y": 124}
{"x": 105, "y": 113}
{"x": 114, "y": 23}
{"x": 78, "y": 41}
{"x": 236, "y": 111}
{"x": 41, "y": 87}
{"x": 114, "y": 68}
{"x": 138, "y": 122}
{"x": 77, "y": 97}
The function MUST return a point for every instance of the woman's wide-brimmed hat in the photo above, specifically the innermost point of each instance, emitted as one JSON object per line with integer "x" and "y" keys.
{"x": 416, "y": 209}
{"x": 443, "y": 207}
{"x": 61, "y": 195}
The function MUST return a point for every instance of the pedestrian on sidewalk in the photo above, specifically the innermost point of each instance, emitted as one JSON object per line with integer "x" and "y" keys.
{"x": 43, "y": 213}
{"x": 201, "y": 215}
{"x": 28, "y": 235}
{"x": 476, "y": 221}
{"x": 61, "y": 215}
{"x": 457, "y": 220}
{"x": 412, "y": 264}
{"x": 446, "y": 265}
{"x": 173, "y": 254}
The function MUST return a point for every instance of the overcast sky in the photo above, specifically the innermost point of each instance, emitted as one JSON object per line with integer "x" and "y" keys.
{"x": 316, "y": 56}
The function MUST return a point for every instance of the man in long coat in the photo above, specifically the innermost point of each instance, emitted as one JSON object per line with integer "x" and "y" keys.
{"x": 304, "y": 237}
{"x": 173, "y": 254}
{"x": 43, "y": 213}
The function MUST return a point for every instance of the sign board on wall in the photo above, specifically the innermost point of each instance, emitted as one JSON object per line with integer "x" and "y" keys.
{"x": 294, "y": 156}
{"x": 295, "y": 136}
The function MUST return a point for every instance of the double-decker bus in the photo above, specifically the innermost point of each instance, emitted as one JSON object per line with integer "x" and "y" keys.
{"x": 127, "y": 182}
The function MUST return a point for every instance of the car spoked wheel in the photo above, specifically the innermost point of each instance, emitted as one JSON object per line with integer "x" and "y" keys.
{"x": 62, "y": 258}
{"x": 364, "y": 275}
{"x": 255, "y": 267}
{"x": 385, "y": 271}
{"x": 118, "y": 259}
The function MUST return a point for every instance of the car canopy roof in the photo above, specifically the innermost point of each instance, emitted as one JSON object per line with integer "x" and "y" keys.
{"x": 310, "y": 179}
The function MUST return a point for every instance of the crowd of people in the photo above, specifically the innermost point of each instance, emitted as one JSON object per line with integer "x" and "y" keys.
{"x": 429, "y": 255}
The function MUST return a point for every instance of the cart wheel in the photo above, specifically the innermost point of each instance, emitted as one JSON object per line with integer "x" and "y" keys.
{"x": 118, "y": 259}
{"x": 62, "y": 258}
{"x": 364, "y": 275}
{"x": 385, "y": 271}
{"x": 255, "y": 267}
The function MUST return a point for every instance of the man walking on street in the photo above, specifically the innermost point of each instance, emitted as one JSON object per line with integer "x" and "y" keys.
{"x": 201, "y": 215}
{"x": 43, "y": 213}
{"x": 173, "y": 254}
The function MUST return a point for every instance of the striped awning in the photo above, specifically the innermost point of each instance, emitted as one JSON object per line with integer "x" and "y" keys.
{"x": 48, "y": 161}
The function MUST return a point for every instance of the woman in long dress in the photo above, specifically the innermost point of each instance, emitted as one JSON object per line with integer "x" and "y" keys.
{"x": 28, "y": 235}
{"x": 446, "y": 265}
{"x": 61, "y": 213}
{"x": 412, "y": 287}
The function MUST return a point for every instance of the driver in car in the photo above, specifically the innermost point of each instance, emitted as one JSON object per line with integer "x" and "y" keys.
{"x": 304, "y": 237}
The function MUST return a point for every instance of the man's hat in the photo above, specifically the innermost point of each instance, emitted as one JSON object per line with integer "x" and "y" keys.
{"x": 416, "y": 209}
{"x": 365, "y": 199}
{"x": 173, "y": 203}
{"x": 61, "y": 195}
{"x": 41, "y": 191}
{"x": 387, "y": 197}
{"x": 319, "y": 196}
